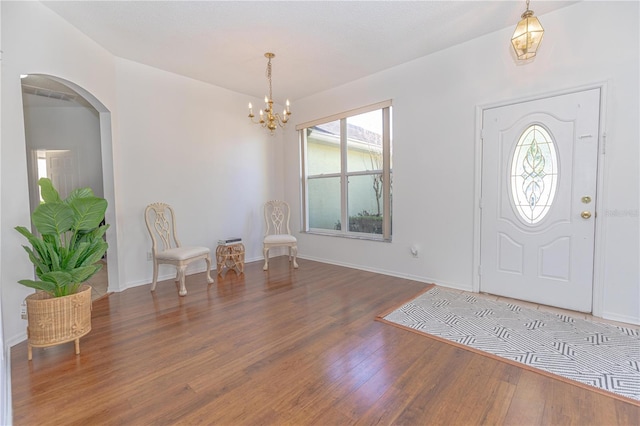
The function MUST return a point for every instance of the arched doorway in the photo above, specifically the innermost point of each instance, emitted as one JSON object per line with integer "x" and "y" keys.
{"x": 68, "y": 139}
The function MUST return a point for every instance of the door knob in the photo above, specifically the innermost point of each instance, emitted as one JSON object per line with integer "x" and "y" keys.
{"x": 585, "y": 214}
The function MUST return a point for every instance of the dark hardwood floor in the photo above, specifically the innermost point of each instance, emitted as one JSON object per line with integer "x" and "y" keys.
{"x": 286, "y": 346}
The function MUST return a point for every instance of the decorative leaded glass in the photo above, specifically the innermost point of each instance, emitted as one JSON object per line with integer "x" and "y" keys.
{"x": 534, "y": 174}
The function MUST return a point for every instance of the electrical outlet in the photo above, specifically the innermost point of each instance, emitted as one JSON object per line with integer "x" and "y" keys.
{"x": 23, "y": 310}
{"x": 414, "y": 251}
{"x": 149, "y": 256}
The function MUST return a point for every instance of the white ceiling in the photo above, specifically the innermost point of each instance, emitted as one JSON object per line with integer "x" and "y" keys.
{"x": 318, "y": 44}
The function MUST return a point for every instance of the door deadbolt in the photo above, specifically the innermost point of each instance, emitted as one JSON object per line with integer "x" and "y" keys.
{"x": 586, "y": 199}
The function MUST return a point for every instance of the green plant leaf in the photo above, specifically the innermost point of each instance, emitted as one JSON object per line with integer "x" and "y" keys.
{"x": 60, "y": 279}
{"x": 26, "y": 233}
{"x": 99, "y": 232}
{"x": 82, "y": 274}
{"x": 39, "y": 264}
{"x": 90, "y": 236}
{"x": 79, "y": 193}
{"x": 94, "y": 252}
{"x": 49, "y": 287}
{"x": 54, "y": 257}
{"x": 36, "y": 243}
{"x": 87, "y": 253}
{"x": 48, "y": 192}
{"x": 53, "y": 218}
{"x": 89, "y": 212}
{"x": 39, "y": 249}
{"x": 75, "y": 255}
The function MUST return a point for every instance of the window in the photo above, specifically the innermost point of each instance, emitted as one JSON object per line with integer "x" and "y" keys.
{"x": 347, "y": 176}
{"x": 534, "y": 174}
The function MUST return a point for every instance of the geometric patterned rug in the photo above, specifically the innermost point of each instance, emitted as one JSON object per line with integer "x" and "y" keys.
{"x": 602, "y": 356}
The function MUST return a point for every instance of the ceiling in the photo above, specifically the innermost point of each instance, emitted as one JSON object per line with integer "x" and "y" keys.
{"x": 318, "y": 44}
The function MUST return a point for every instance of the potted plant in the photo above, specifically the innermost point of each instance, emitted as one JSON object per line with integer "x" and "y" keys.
{"x": 66, "y": 253}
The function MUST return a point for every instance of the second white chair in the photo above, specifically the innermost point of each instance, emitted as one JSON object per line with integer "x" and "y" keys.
{"x": 276, "y": 217}
{"x": 163, "y": 230}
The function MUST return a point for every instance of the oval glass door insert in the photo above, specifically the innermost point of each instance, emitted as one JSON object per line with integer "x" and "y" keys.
{"x": 534, "y": 174}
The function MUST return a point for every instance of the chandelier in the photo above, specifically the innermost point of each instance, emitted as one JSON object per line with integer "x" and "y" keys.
{"x": 528, "y": 35}
{"x": 268, "y": 118}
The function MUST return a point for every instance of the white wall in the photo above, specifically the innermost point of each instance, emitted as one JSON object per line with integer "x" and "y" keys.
{"x": 434, "y": 129}
{"x": 191, "y": 145}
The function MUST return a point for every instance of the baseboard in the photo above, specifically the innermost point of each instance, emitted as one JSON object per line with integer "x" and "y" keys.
{"x": 16, "y": 339}
{"x": 620, "y": 318}
{"x": 422, "y": 279}
{"x": 190, "y": 271}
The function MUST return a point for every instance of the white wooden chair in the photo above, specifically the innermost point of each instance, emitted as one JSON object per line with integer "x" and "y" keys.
{"x": 277, "y": 234}
{"x": 161, "y": 224}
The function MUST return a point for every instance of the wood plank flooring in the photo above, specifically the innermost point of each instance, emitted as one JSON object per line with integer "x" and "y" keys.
{"x": 283, "y": 347}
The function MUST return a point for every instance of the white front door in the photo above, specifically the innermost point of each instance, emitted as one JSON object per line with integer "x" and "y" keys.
{"x": 539, "y": 170}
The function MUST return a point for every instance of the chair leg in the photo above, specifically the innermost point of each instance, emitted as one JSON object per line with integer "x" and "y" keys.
{"x": 294, "y": 249}
{"x": 208, "y": 260}
{"x": 155, "y": 275}
{"x": 180, "y": 277}
{"x": 265, "y": 252}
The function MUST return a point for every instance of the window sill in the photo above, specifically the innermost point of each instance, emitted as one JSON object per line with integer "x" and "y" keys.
{"x": 352, "y": 235}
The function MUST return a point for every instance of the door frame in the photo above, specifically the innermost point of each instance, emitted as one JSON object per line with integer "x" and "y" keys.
{"x": 598, "y": 253}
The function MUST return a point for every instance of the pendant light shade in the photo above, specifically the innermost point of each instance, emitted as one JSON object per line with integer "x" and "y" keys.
{"x": 528, "y": 35}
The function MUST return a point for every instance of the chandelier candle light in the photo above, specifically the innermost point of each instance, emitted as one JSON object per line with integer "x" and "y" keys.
{"x": 268, "y": 118}
{"x": 528, "y": 35}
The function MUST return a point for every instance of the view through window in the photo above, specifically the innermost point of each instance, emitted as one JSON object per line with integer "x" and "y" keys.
{"x": 348, "y": 174}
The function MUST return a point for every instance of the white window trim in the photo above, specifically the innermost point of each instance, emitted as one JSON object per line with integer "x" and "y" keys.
{"x": 386, "y": 173}
{"x": 350, "y": 113}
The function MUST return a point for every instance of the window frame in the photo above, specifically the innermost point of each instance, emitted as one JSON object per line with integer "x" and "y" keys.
{"x": 343, "y": 175}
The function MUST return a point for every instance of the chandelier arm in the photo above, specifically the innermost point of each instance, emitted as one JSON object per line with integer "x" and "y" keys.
{"x": 256, "y": 121}
{"x": 278, "y": 119}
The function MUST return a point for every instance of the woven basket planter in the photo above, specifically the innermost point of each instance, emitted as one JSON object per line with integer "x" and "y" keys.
{"x": 57, "y": 320}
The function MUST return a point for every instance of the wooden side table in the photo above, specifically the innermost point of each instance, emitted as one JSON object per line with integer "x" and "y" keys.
{"x": 230, "y": 256}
